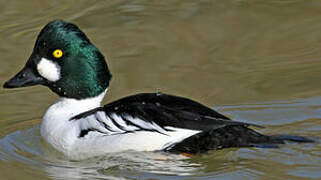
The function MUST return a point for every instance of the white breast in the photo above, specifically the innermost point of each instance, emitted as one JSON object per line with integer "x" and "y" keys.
{"x": 56, "y": 128}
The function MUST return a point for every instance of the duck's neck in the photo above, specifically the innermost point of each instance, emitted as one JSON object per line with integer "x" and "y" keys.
{"x": 68, "y": 107}
{"x": 82, "y": 105}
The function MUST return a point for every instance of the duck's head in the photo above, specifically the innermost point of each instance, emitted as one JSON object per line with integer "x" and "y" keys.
{"x": 64, "y": 60}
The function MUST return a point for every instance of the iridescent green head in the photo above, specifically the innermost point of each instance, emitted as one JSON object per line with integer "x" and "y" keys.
{"x": 66, "y": 61}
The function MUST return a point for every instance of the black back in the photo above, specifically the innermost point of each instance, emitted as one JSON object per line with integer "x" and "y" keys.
{"x": 167, "y": 111}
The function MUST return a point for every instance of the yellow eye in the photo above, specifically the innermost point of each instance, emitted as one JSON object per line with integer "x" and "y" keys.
{"x": 57, "y": 53}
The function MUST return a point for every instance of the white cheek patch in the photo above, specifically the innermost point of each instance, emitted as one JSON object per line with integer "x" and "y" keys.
{"x": 49, "y": 69}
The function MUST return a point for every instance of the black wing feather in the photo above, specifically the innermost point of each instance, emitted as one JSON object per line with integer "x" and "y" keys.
{"x": 167, "y": 111}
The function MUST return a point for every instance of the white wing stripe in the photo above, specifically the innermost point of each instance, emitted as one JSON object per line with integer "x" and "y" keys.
{"x": 111, "y": 124}
{"x": 145, "y": 125}
{"x": 112, "y": 127}
{"x": 122, "y": 123}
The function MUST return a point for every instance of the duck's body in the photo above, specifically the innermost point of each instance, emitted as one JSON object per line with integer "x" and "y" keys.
{"x": 142, "y": 122}
{"x": 77, "y": 125}
{"x": 69, "y": 127}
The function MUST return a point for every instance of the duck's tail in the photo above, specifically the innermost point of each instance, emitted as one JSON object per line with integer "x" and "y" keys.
{"x": 232, "y": 136}
{"x": 290, "y": 138}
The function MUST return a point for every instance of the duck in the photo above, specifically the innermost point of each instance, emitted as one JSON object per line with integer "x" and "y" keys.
{"x": 77, "y": 125}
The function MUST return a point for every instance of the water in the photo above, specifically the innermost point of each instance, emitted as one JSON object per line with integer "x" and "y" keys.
{"x": 255, "y": 61}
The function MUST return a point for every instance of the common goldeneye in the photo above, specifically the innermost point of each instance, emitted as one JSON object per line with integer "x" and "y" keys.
{"x": 64, "y": 60}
